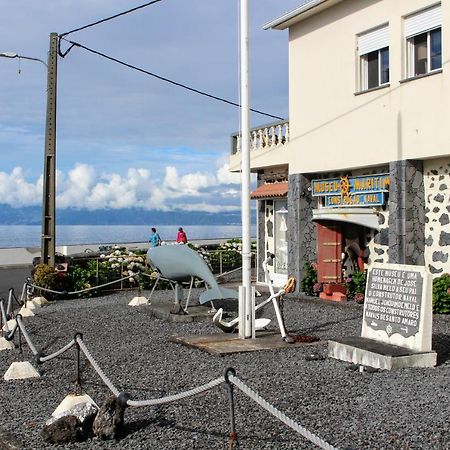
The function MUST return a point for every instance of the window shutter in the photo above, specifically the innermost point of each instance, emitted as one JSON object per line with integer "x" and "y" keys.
{"x": 373, "y": 40}
{"x": 423, "y": 21}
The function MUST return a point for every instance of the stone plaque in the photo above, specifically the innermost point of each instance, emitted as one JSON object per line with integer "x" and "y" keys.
{"x": 398, "y": 306}
{"x": 393, "y": 301}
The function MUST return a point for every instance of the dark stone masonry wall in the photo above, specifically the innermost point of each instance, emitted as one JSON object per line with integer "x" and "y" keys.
{"x": 301, "y": 228}
{"x": 406, "y": 233}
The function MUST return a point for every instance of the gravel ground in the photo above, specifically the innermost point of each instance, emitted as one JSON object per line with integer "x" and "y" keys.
{"x": 403, "y": 409}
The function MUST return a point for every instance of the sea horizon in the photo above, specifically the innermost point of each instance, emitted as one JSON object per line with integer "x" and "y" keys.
{"x": 13, "y": 236}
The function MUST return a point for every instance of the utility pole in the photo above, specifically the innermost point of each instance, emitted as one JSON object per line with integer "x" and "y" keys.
{"x": 49, "y": 188}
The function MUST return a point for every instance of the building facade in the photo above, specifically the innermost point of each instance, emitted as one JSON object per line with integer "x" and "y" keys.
{"x": 365, "y": 160}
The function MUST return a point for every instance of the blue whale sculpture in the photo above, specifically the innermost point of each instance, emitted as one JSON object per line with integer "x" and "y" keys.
{"x": 180, "y": 263}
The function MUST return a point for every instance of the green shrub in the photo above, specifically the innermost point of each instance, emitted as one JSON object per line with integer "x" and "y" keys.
{"x": 441, "y": 294}
{"x": 310, "y": 279}
{"x": 356, "y": 285}
{"x": 47, "y": 277}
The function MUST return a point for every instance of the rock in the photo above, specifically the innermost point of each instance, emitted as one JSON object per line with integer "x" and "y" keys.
{"x": 108, "y": 423}
{"x": 72, "y": 425}
{"x": 64, "y": 429}
{"x": 82, "y": 411}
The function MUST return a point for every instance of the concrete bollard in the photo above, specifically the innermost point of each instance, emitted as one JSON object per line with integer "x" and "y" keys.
{"x": 20, "y": 370}
{"x": 9, "y": 325}
{"x": 6, "y": 345}
{"x": 31, "y": 305}
{"x": 137, "y": 301}
{"x": 25, "y": 312}
{"x": 40, "y": 301}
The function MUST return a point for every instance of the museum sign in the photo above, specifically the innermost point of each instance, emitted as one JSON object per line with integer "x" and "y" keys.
{"x": 367, "y": 190}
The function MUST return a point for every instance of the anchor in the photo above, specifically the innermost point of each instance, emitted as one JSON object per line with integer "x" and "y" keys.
{"x": 275, "y": 297}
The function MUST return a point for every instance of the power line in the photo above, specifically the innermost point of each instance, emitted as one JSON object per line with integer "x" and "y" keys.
{"x": 109, "y": 18}
{"x": 159, "y": 77}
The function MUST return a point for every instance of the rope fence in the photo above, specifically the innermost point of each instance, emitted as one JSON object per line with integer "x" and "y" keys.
{"x": 229, "y": 377}
{"x": 34, "y": 286}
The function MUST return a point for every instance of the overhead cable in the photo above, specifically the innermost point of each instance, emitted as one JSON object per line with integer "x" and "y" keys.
{"x": 159, "y": 77}
{"x": 109, "y": 18}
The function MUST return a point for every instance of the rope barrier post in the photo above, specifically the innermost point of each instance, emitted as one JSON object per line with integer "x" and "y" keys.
{"x": 20, "y": 338}
{"x": 78, "y": 387}
{"x": 28, "y": 294}
{"x": 232, "y": 436}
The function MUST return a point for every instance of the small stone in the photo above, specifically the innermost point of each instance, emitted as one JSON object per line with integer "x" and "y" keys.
{"x": 444, "y": 239}
{"x": 440, "y": 257}
{"x": 314, "y": 357}
{"x": 433, "y": 269}
{"x": 444, "y": 219}
{"x": 439, "y": 198}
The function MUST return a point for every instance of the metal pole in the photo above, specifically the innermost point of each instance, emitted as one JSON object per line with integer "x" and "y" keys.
{"x": 245, "y": 151}
{"x": 49, "y": 188}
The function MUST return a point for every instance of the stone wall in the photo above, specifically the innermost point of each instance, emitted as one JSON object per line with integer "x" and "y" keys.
{"x": 269, "y": 234}
{"x": 301, "y": 228}
{"x": 406, "y": 213}
{"x": 378, "y": 242}
{"x": 437, "y": 221}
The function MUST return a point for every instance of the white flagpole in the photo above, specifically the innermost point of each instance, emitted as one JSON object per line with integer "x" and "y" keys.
{"x": 246, "y": 329}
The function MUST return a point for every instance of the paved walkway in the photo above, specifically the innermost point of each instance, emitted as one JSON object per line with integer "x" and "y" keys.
{"x": 13, "y": 278}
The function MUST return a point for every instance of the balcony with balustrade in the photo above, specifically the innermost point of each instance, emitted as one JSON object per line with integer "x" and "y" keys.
{"x": 268, "y": 146}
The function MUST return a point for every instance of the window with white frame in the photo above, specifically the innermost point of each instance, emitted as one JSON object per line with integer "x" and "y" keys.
{"x": 373, "y": 51}
{"x": 423, "y": 42}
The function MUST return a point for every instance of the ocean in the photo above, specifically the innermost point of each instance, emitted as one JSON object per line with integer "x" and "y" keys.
{"x": 30, "y": 235}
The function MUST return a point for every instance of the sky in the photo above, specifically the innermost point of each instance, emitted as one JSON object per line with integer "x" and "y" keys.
{"x": 125, "y": 139}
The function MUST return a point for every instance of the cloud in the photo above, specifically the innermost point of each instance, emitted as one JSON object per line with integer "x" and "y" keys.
{"x": 16, "y": 191}
{"x": 84, "y": 188}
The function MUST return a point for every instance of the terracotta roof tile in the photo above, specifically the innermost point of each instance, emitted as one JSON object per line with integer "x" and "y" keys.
{"x": 269, "y": 190}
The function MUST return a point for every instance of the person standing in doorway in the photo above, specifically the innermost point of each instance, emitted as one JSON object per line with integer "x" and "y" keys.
{"x": 155, "y": 240}
{"x": 181, "y": 236}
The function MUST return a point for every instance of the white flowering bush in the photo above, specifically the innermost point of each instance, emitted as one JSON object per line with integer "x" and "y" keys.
{"x": 127, "y": 262}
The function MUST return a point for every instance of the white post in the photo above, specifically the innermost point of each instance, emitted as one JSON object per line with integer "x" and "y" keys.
{"x": 245, "y": 152}
{"x": 253, "y": 313}
{"x": 242, "y": 312}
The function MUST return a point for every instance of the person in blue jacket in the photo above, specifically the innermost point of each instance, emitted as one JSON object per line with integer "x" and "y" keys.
{"x": 155, "y": 240}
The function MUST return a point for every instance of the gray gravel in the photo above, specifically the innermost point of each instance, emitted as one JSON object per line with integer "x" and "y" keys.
{"x": 403, "y": 409}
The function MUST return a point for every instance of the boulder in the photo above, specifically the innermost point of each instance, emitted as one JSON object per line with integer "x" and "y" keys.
{"x": 72, "y": 425}
{"x": 64, "y": 429}
{"x": 108, "y": 423}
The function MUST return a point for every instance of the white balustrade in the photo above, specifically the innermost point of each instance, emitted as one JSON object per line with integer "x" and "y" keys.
{"x": 276, "y": 135}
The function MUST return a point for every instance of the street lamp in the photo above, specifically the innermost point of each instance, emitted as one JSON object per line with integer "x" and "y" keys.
{"x": 15, "y": 55}
{"x": 49, "y": 186}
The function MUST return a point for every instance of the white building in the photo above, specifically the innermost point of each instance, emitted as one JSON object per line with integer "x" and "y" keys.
{"x": 366, "y": 151}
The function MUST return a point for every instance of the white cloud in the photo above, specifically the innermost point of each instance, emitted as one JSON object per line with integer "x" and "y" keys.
{"x": 84, "y": 187}
{"x": 16, "y": 191}
{"x": 224, "y": 175}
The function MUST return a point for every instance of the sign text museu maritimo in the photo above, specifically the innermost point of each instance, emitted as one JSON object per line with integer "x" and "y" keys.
{"x": 364, "y": 190}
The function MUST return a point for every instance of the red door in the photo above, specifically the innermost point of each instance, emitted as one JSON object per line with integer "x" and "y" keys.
{"x": 329, "y": 253}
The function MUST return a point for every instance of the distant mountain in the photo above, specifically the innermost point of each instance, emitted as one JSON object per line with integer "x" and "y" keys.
{"x": 31, "y": 215}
